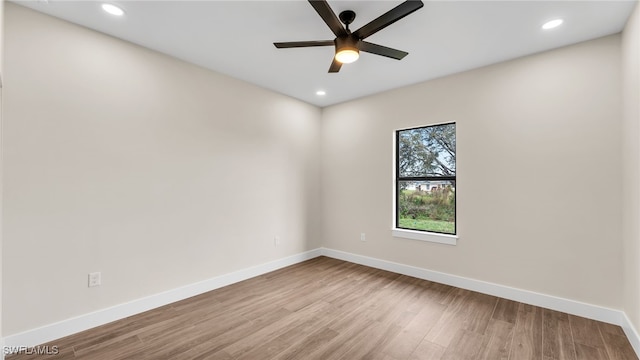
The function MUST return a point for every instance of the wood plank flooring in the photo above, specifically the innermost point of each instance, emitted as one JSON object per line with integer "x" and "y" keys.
{"x": 330, "y": 309}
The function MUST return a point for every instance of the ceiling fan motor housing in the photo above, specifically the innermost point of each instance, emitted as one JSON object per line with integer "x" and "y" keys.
{"x": 349, "y": 42}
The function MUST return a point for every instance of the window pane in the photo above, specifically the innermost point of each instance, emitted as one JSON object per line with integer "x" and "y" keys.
{"x": 428, "y": 151}
{"x": 427, "y": 205}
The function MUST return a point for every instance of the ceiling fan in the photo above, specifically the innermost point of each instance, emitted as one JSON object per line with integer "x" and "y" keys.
{"x": 349, "y": 44}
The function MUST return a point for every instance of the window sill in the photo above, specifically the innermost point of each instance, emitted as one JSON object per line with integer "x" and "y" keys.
{"x": 425, "y": 236}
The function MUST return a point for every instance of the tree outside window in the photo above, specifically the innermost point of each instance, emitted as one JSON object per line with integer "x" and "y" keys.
{"x": 426, "y": 178}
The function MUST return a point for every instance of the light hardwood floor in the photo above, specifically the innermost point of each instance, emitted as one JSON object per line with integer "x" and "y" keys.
{"x": 331, "y": 309}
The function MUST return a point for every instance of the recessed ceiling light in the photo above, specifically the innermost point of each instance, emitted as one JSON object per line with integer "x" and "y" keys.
{"x": 552, "y": 24}
{"x": 321, "y": 93}
{"x": 112, "y": 9}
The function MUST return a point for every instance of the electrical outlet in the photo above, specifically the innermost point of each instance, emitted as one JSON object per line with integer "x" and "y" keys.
{"x": 276, "y": 241}
{"x": 363, "y": 237}
{"x": 95, "y": 279}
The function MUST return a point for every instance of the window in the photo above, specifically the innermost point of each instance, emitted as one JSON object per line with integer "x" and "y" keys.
{"x": 426, "y": 179}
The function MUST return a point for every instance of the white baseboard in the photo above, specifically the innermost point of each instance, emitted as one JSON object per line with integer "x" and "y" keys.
{"x": 632, "y": 333}
{"x": 573, "y": 307}
{"x": 84, "y": 322}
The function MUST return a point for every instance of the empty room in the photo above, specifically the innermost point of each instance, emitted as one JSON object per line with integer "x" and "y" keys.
{"x": 389, "y": 180}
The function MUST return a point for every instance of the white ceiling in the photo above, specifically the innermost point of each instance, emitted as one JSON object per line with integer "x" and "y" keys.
{"x": 444, "y": 37}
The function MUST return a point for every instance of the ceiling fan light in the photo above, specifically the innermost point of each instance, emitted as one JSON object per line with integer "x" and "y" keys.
{"x": 347, "y": 55}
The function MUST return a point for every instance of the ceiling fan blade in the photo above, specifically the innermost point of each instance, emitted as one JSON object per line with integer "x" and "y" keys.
{"x": 388, "y": 18}
{"x": 295, "y": 44}
{"x": 335, "y": 66}
{"x": 324, "y": 10}
{"x": 381, "y": 50}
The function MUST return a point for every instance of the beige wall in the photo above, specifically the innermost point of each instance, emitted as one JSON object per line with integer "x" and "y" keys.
{"x": 539, "y": 195}
{"x": 153, "y": 171}
{"x": 631, "y": 166}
